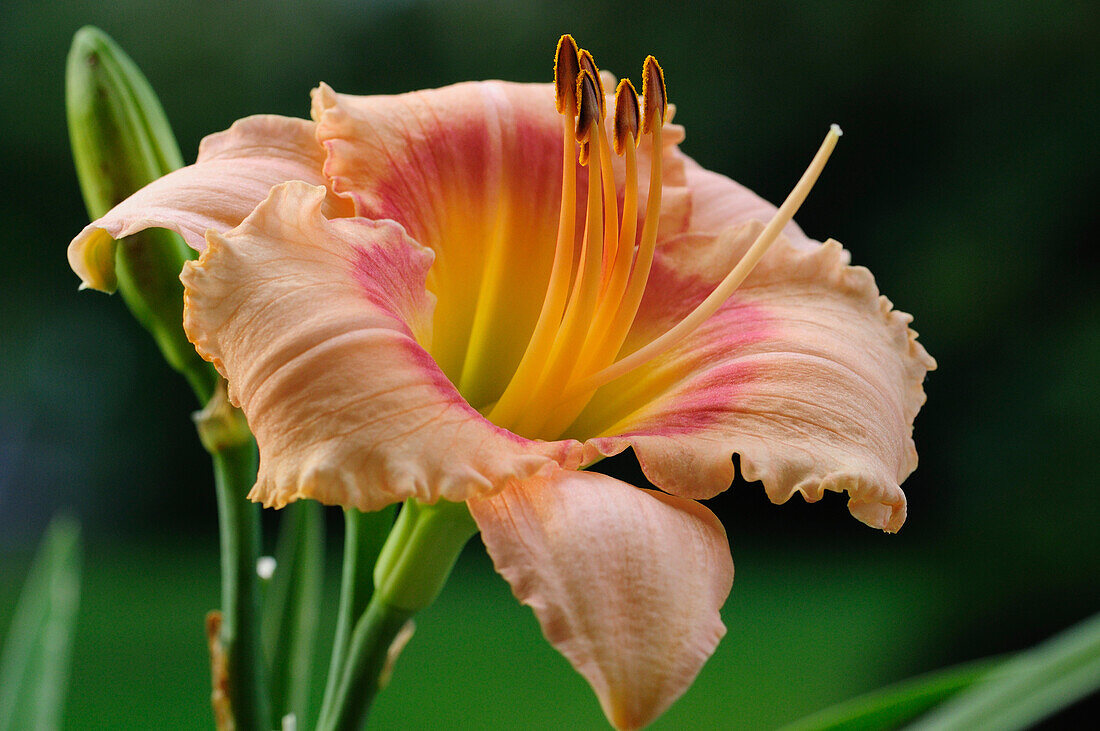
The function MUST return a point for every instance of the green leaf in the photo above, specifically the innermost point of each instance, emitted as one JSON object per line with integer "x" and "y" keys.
{"x": 34, "y": 667}
{"x": 996, "y": 693}
{"x": 894, "y": 705}
{"x": 292, "y": 608}
{"x": 1029, "y": 687}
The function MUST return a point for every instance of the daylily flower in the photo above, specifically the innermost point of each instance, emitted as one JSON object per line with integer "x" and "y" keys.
{"x": 430, "y": 296}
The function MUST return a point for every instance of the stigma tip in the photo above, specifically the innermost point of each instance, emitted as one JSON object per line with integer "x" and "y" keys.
{"x": 835, "y": 129}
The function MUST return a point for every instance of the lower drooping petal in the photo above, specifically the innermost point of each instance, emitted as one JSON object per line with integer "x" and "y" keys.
{"x": 626, "y": 583}
{"x": 315, "y": 324}
{"x": 234, "y": 171}
{"x": 806, "y": 373}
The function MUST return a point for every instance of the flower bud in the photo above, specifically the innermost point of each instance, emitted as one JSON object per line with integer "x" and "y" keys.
{"x": 121, "y": 142}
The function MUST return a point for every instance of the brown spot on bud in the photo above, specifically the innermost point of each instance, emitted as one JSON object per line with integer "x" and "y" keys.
{"x": 626, "y": 116}
{"x": 566, "y": 68}
{"x": 655, "y": 98}
{"x": 589, "y": 64}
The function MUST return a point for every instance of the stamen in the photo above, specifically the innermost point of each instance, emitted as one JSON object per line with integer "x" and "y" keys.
{"x": 725, "y": 288}
{"x": 566, "y": 77}
{"x": 566, "y": 70}
{"x": 610, "y": 207}
{"x": 627, "y": 117}
{"x": 585, "y": 288}
{"x": 609, "y": 333}
{"x": 654, "y": 94}
{"x": 625, "y": 135}
{"x": 587, "y": 63}
{"x": 607, "y": 174}
{"x": 586, "y": 115}
{"x": 585, "y": 318}
{"x": 609, "y": 336}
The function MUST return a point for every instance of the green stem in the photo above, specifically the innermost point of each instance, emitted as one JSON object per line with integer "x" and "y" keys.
{"x": 420, "y": 553}
{"x": 202, "y": 380}
{"x": 234, "y": 472}
{"x": 368, "y": 658}
{"x": 364, "y": 534}
{"x": 413, "y": 567}
{"x": 224, "y": 434}
{"x": 291, "y": 609}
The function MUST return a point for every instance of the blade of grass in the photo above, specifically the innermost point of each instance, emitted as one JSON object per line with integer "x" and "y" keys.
{"x": 897, "y": 704}
{"x": 34, "y": 666}
{"x": 1034, "y": 684}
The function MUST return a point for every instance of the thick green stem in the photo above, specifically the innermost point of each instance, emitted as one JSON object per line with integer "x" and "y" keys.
{"x": 413, "y": 567}
{"x": 225, "y": 435}
{"x": 234, "y": 472}
{"x": 368, "y": 659}
{"x": 421, "y": 551}
{"x": 364, "y": 534}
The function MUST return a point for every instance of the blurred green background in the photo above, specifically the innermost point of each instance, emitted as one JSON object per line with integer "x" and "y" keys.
{"x": 966, "y": 181}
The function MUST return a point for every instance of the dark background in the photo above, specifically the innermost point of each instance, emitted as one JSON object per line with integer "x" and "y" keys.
{"x": 966, "y": 181}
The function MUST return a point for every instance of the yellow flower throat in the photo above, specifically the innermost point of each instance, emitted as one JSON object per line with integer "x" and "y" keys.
{"x": 588, "y": 309}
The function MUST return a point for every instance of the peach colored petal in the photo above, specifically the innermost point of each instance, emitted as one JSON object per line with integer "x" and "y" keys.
{"x": 234, "y": 172}
{"x": 626, "y": 583}
{"x": 473, "y": 171}
{"x": 806, "y": 372}
{"x": 717, "y": 203}
{"x": 315, "y": 324}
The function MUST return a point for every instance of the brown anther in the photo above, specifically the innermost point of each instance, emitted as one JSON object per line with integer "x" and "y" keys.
{"x": 566, "y": 69}
{"x": 589, "y": 109}
{"x": 655, "y": 98}
{"x": 626, "y": 116}
{"x": 589, "y": 64}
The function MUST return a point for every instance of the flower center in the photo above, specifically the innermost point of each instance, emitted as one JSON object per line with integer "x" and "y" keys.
{"x": 593, "y": 295}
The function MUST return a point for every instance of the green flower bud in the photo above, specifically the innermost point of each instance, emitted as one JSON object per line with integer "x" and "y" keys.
{"x": 121, "y": 142}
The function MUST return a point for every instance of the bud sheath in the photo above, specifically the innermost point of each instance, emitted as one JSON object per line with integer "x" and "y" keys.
{"x": 121, "y": 142}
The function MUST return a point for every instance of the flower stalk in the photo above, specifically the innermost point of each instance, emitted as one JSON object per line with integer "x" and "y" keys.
{"x": 291, "y": 610}
{"x": 122, "y": 141}
{"x": 225, "y": 435}
{"x": 412, "y": 569}
{"x": 364, "y": 535}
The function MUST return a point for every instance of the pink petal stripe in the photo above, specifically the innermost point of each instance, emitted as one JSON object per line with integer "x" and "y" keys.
{"x": 806, "y": 373}
{"x": 626, "y": 583}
